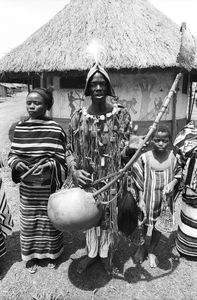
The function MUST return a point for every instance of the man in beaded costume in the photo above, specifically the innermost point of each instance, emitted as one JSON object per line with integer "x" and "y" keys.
{"x": 97, "y": 143}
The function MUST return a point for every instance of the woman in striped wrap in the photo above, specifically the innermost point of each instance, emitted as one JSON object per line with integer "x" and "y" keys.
{"x": 186, "y": 176}
{"x": 6, "y": 222}
{"x": 38, "y": 142}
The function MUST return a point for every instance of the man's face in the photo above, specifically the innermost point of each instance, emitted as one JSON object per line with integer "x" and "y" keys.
{"x": 98, "y": 88}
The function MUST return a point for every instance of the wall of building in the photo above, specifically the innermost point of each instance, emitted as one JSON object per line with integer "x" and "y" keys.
{"x": 3, "y": 91}
{"x": 141, "y": 94}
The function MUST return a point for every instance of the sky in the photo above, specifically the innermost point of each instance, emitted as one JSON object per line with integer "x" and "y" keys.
{"x": 21, "y": 18}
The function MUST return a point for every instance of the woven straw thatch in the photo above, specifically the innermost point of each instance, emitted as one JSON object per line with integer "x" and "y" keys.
{"x": 133, "y": 32}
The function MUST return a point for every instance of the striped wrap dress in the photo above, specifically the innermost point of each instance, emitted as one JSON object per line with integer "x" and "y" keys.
{"x": 34, "y": 140}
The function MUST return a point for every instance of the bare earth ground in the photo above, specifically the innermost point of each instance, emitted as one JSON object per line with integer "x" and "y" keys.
{"x": 170, "y": 281}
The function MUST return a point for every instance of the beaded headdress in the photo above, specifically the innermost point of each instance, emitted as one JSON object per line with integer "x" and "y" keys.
{"x": 95, "y": 49}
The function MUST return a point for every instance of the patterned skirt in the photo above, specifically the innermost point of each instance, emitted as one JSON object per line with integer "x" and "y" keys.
{"x": 6, "y": 221}
{"x": 38, "y": 237}
{"x": 186, "y": 241}
{"x": 2, "y": 245}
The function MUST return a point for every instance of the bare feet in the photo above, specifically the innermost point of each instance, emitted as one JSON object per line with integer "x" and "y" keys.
{"x": 141, "y": 254}
{"x": 153, "y": 261}
{"x": 106, "y": 265}
{"x": 85, "y": 263}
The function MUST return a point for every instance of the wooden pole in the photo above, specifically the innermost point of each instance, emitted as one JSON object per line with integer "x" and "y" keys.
{"x": 167, "y": 100}
{"x": 190, "y": 106}
{"x": 174, "y": 124}
{"x": 42, "y": 80}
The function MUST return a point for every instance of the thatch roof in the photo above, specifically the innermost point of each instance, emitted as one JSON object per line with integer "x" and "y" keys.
{"x": 134, "y": 33}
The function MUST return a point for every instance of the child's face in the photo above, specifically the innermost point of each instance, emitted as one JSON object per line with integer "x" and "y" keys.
{"x": 160, "y": 141}
{"x": 35, "y": 105}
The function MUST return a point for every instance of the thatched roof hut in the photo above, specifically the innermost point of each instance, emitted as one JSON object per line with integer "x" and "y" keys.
{"x": 141, "y": 46}
{"x": 134, "y": 33}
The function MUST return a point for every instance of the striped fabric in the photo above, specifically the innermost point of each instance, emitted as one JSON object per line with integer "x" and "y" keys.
{"x": 6, "y": 222}
{"x": 187, "y": 231}
{"x": 39, "y": 239}
{"x": 94, "y": 247}
{"x": 186, "y": 138}
{"x": 2, "y": 245}
{"x": 151, "y": 182}
{"x": 186, "y": 241}
{"x": 34, "y": 140}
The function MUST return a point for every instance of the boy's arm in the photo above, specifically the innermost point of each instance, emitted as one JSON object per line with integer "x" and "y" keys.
{"x": 141, "y": 203}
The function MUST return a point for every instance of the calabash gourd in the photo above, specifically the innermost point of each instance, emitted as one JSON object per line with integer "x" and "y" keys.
{"x": 73, "y": 210}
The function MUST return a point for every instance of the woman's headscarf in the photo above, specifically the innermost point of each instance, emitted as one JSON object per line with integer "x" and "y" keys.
{"x": 46, "y": 94}
{"x": 93, "y": 70}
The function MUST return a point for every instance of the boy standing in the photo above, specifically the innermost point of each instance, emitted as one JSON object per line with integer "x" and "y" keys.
{"x": 151, "y": 172}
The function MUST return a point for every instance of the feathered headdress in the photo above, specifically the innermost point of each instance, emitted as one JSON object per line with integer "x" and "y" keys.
{"x": 95, "y": 49}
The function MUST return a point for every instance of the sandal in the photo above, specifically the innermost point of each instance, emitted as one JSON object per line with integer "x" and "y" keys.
{"x": 31, "y": 266}
{"x": 51, "y": 263}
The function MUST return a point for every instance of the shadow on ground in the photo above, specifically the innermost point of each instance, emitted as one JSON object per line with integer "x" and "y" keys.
{"x": 13, "y": 253}
{"x": 143, "y": 272}
{"x": 95, "y": 277}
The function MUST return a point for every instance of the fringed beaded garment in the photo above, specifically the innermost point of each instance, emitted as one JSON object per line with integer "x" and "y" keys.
{"x": 95, "y": 144}
{"x": 33, "y": 141}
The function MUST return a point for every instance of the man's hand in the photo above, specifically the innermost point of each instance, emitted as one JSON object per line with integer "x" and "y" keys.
{"x": 81, "y": 177}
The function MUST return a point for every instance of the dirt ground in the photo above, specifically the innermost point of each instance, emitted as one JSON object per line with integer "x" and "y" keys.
{"x": 169, "y": 281}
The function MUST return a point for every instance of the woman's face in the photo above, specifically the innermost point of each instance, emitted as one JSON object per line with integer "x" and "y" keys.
{"x": 35, "y": 105}
{"x": 98, "y": 88}
{"x": 160, "y": 141}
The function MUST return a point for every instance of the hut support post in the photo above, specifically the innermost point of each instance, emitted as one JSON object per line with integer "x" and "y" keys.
{"x": 49, "y": 81}
{"x": 174, "y": 125}
{"x": 42, "y": 80}
{"x": 191, "y": 102}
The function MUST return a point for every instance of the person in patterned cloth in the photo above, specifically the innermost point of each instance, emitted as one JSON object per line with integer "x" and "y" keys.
{"x": 97, "y": 142}
{"x": 186, "y": 177}
{"x": 38, "y": 143}
{"x": 6, "y": 221}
